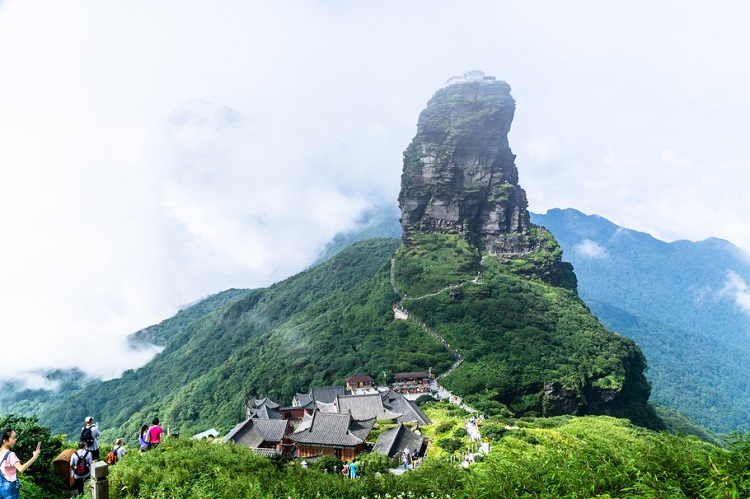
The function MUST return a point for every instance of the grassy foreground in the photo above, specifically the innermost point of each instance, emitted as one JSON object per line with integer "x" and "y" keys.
{"x": 563, "y": 457}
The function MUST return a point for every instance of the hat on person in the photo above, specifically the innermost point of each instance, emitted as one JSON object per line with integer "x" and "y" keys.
{"x": 90, "y": 419}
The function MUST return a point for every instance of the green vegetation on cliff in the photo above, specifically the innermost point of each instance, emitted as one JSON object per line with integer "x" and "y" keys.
{"x": 528, "y": 345}
{"x": 313, "y": 329}
{"x": 673, "y": 299}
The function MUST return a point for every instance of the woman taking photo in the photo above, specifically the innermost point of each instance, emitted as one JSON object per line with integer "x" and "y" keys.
{"x": 10, "y": 465}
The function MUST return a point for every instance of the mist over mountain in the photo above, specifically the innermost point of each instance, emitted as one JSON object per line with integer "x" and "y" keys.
{"x": 482, "y": 294}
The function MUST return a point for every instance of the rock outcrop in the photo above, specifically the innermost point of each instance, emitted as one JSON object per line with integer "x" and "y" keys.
{"x": 459, "y": 172}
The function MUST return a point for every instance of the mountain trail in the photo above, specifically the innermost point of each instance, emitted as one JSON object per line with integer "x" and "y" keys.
{"x": 401, "y": 313}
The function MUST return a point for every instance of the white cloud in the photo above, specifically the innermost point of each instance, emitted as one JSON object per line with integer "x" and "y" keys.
{"x": 737, "y": 290}
{"x": 591, "y": 249}
{"x": 152, "y": 153}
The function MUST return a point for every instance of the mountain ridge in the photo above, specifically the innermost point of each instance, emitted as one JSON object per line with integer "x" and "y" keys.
{"x": 470, "y": 265}
{"x": 674, "y": 299}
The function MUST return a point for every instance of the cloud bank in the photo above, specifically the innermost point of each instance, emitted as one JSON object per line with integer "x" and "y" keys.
{"x": 153, "y": 153}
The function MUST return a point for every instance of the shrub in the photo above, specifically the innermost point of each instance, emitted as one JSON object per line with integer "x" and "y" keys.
{"x": 445, "y": 426}
{"x": 328, "y": 463}
{"x": 450, "y": 445}
{"x": 424, "y": 400}
{"x": 373, "y": 463}
{"x": 41, "y": 480}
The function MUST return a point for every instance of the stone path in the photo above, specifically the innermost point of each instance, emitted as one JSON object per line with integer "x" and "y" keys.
{"x": 400, "y": 313}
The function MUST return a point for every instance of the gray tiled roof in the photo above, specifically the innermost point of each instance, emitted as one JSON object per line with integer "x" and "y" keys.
{"x": 327, "y": 394}
{"x": 393, "y": 442}
{"x": 230, "y": 436}
{"x": 303, "y": 399}
{"x": 332, "y": 429}
{"x": 205, "y": 434}
{"x": 272, "y": 430}
{"x": 361, "y": 429}
{"x": 265, "y": 412}
{"x": 253, "y": 432}
{"x": 264, "y": 402}
{"x": 363, "y": 407}
{"x": 416, "y": 415}
{"x": 408, "y": 409}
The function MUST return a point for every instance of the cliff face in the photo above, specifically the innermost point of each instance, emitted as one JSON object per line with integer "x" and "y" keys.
{"x": 529, "y": 342}
{"x": 459, "y": 173}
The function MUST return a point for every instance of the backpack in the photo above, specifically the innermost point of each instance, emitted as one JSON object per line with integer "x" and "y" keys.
{"x": 112, "y": 456}
{"x": 82, "y": 466}
{"x": 87, "y": 436}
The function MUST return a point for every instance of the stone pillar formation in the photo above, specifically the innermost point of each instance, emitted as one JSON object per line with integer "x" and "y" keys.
{"x": 459, "y": 174}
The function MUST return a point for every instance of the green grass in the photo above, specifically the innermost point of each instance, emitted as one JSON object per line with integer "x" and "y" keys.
{"x": 566, "y": 457}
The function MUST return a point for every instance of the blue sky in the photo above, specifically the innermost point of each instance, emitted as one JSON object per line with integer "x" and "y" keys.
{"x": 153, "y": 153}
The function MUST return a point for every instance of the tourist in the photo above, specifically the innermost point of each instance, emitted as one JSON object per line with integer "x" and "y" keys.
{"x": 117, "y": 452}
{"x": 90, "y": 434}
{"x": 406, "y": 458}
{"x": 10, "y": 466}
{"x": 82, "y": 472}
{"x": 143, "y": 438}
{"x": 154, "y": 433}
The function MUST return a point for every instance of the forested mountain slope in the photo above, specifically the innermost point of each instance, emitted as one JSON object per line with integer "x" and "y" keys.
{"x": 478, "y": 279}
{"x": 680, "y": 301}
{"x": 309, "y": 330}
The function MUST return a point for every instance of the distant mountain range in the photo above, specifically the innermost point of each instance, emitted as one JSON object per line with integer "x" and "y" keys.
{"x": 684, "y": 303}
{"x": 485, "y": 294}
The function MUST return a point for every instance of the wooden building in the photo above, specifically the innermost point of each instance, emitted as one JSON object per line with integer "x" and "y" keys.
{"x": 329, "y": 433}
{"x": 359, "y": 382}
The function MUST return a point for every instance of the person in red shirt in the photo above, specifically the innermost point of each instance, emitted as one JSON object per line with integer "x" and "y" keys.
{"x": 154, "y": 433}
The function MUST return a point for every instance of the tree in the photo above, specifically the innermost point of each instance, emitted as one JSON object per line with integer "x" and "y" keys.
{"x": 42, "y": 473}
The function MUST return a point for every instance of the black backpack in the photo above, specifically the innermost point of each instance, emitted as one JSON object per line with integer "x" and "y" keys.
{"x": 82, "y": 466}
{"x": 87, "y": 436}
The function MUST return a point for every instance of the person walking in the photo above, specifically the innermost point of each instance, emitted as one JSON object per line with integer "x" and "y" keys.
{"x": 10, "y": 466}
{"x": 80, "y": 463}
{"x": 90, "y": 434}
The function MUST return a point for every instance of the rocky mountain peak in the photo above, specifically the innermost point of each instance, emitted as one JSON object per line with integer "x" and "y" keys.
{"x": 459, "y": 173}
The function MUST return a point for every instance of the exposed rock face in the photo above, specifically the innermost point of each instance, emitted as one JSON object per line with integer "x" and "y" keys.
{"x": 559, "y": 400}
{"x": 459, "y": 172}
